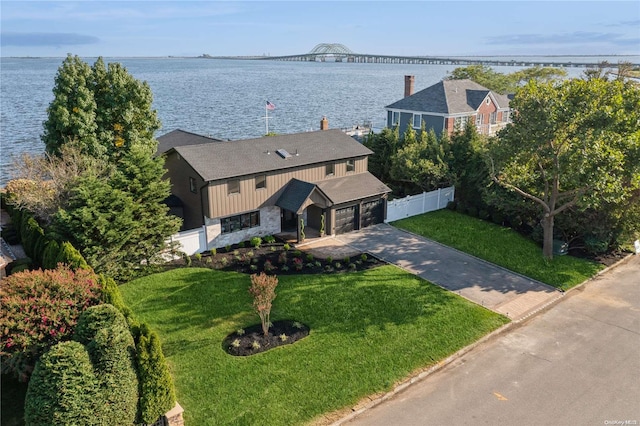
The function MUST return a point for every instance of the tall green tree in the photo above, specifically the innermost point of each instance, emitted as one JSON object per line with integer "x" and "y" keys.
{"x": 571, "y": 144}
{"x": 124, "y": 114}
{"x": 120, "y": 223}
{"x": 422, "y": 160}
{"x": 72, "y": 113}
{"x": 103, "y": 107}
{"x": 384, "y": 146}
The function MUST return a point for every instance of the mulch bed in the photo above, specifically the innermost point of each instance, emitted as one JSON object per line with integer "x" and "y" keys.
{"x": 251, "y": 340}
{"x": 276, "y": 259}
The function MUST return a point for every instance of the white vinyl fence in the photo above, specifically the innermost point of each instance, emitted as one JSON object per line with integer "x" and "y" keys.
{"x": 413, "y": 205}
{"x": 192, "y": 241}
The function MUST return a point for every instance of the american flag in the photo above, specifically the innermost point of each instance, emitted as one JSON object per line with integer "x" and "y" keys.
{"x": 270, "y": 106}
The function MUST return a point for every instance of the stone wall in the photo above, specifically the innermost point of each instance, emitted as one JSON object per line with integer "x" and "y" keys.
{"x": 269, "y": 225}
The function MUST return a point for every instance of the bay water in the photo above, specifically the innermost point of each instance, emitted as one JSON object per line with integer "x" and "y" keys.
{"x": 222, "y": 98}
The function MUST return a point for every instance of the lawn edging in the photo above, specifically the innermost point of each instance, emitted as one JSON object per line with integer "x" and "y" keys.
{"x": 370, "y": 402}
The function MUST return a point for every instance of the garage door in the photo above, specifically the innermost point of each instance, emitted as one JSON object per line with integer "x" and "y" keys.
{"x": 372, "y": 213}
{"x": 346, "y": 219}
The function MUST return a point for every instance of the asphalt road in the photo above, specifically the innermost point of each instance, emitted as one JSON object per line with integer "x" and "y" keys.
{"x": 576, "y": 364}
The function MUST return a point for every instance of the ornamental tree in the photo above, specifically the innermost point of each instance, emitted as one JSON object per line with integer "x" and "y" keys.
{"x": 263, "y": 290}
{"x": 571, "y": 144}
{"x": 39, "y": 309}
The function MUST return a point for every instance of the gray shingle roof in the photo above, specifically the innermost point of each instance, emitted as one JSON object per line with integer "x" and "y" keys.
{"x": 179, "y": 137}
{"x": 221, "y": 160}
{"x": 353, "y": 187}
{"x": 338, "y": 190}
{"x": 449, "y": 97}
{"x": 295, "y": 194}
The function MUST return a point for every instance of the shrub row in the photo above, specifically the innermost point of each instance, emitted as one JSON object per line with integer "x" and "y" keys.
{"x": 45, "y": 251}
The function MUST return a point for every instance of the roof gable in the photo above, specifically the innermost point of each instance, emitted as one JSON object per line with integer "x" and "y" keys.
{"x": 177, "y": 137}
{"x": 227, "y": 159}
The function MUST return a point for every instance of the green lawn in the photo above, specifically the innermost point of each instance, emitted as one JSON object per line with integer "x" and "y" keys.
{"x": 501, "y": 246}
{"x": 369, "y": 330}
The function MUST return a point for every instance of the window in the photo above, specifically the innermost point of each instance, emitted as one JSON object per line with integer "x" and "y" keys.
{"x": 261, "y": 181}
{"x": 330, "y": 169}
{"x": 506, "y": 116}
{"x": 493, "y": 117}
{"x": 233, "y": 186}
{"x": 460, "y": 122}
{"x": 240, "y": 221}
{"x": 395, "y": 118}
{"x": 351, "y": 166}
{"x": 479, "y": 120}
{"x": 417, "y": 121}
{"x": 192, "y": 185}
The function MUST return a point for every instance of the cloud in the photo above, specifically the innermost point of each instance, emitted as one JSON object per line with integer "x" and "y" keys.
{"x": 45, "y": 39}
{"x": 578, "y": 37}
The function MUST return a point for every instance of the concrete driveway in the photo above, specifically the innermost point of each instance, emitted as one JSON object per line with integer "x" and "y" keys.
{"x": 502, "y": 291}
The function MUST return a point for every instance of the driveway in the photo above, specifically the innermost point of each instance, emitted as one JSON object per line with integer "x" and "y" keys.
{"x": 502, "y": 291}
{"x": 576, "y": 364}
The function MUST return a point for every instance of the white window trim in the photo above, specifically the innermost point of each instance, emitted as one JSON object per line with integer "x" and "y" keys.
{"x": 413, "y": 121}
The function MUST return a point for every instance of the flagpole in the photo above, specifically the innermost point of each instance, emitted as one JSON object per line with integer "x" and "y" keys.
{"x": 266, "y": 118}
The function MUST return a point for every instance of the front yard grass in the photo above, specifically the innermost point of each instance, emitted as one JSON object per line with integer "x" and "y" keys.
{"x": 369, "y": 330}
{"x": 501, "y": 246}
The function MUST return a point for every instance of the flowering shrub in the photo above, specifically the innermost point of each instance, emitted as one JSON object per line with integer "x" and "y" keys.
{"x": 263, "y": 290}
{"x": 39, "y": 309}
{"x": 297, "y": 263}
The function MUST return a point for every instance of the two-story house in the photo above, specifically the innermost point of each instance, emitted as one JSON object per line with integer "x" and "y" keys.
{"x": 448, "y": 106}
{"x": 256, "y": 187}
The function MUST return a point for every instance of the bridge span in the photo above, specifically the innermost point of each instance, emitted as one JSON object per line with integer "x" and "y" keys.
{"x": 335, "y": 52}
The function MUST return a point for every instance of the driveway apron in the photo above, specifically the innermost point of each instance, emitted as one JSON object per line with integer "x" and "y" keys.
{"x": 484, "y": 283}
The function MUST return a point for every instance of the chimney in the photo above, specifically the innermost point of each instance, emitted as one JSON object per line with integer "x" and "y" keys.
{"x": 408, "y": 85}
{"x": 324, "y": 124}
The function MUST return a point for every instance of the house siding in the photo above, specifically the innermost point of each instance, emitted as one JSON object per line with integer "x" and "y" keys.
{"x": 179, "y": 172}
{"x": 250, "y": 198}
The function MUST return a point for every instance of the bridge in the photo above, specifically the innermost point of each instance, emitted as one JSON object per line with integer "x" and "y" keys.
{"x": 336, "y": 52}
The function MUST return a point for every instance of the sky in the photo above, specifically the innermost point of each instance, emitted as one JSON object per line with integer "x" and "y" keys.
{"x": 236, "y": 28}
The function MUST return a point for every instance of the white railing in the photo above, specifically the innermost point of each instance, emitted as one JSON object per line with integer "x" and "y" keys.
{"x": 413, "y": 205}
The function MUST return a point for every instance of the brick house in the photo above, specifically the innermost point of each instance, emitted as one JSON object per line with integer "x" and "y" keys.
{"x": 303, "y": 183}
{"x": 448, "y": 105}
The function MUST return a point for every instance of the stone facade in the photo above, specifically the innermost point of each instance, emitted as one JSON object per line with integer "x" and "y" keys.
{"x": 269, "y": 225}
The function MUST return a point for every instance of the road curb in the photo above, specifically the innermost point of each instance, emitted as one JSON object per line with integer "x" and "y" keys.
{"x": 363, "y": 406}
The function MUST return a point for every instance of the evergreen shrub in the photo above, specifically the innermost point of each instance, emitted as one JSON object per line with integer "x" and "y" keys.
{"x": 62, "y": 389}
{"x": 70, "y": 256}
{"x": 50, "y": 255}
{"x": 106, "y": 334}
{"x": 157, "y": 394}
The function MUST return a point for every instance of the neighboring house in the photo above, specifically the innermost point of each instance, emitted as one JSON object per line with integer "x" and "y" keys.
{"x": 448, "y": 105}
{"x": 256, "y": 187}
